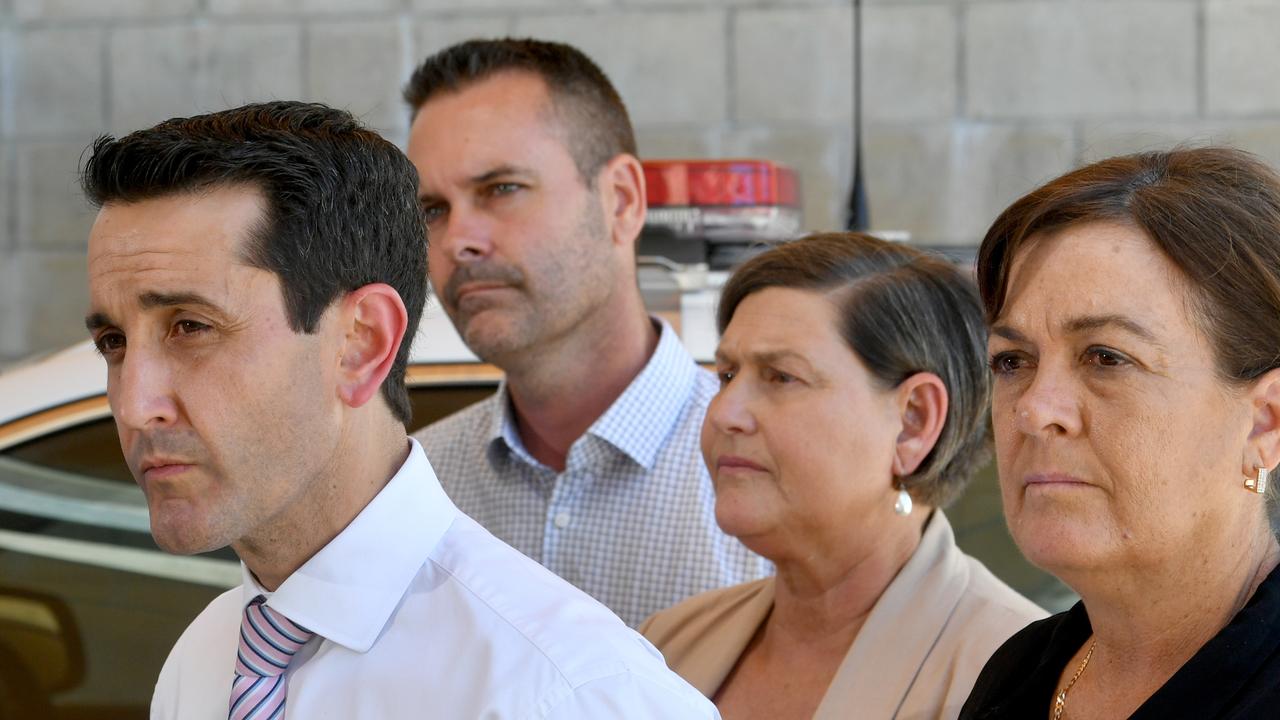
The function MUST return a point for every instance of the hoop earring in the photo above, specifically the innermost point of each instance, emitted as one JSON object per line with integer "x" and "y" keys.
{"x": 1259, "y": 484}
{"x": 902, "y": 505}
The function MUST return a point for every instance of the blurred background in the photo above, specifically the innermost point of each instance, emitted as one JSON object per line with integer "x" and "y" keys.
{"x": 966, "y": 103}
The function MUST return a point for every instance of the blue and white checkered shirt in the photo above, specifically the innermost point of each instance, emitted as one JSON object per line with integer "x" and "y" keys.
{"x": 631, "y": 520}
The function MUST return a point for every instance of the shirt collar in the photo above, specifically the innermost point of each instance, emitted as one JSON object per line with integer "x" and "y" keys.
{"x": 348, "y": 590}
{"x": 639, "y": 421}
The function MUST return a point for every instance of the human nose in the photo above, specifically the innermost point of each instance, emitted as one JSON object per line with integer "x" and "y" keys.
{"x": 1049, "y": 406}
{"x": 466, "y": 236}
{"x": 141, "y": 392}
{"x": 730, "y": 411}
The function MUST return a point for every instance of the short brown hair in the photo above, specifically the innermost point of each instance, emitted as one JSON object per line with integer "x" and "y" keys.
{"x": 902, "y": 311}
{"x": 1213, "y": 211}
{"x": 597, "y": 128}
{"x": 341, "y": 203}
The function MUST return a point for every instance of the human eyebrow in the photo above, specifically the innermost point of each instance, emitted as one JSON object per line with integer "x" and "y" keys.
{"x": 501, "y": 171}
{"x": 150, "y": 300}
{"x": 1098, "y": 322}
{"x": 774, "y": 357}
{"x": 97, "y": 321}
{"x": 1008, "y": 333}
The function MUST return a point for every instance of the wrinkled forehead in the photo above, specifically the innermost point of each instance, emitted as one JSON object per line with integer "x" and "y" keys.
{"x": 172, "y": 243}
{"x": 1094, "y": 270}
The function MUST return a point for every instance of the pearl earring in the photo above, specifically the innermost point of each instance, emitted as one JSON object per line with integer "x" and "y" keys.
{"x": 1259, "y": 484}
{"x": 902, "y": 505}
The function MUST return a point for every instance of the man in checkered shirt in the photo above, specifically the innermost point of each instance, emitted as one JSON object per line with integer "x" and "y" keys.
{"x": 587, "y": 458}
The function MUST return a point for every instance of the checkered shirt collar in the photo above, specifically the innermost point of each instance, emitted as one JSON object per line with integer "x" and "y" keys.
{"x": 638, "y": 422}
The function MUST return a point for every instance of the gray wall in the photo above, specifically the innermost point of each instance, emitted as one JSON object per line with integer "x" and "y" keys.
{"x": 968, "y": 102}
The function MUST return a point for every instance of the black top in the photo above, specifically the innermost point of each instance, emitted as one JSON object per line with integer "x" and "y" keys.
{"x": 1236, "y": 675}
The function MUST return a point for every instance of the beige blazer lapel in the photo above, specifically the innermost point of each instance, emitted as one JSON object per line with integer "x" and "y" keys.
{"x": 900, "y": 632}
{"x": 703, "y": 637}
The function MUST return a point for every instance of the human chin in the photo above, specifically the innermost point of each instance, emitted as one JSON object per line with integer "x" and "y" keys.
{"x": 186, "y": 526}
{"x": 494, "y": 333}
{"x": 1056, "y": 537}
{"x": 742, "y": 509}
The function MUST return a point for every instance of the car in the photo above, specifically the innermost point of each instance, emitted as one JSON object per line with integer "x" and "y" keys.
{"x": 89, "y": 606}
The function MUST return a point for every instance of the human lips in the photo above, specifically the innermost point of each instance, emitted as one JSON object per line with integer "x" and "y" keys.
{"x": 735, "y": 463}
{"x": 1053, "y": 479}
{"x": 473, "y": 288}
{"x": 163, "y": 468}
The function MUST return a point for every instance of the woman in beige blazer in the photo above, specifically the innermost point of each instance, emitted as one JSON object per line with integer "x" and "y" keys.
{"x": 853, "y": 400}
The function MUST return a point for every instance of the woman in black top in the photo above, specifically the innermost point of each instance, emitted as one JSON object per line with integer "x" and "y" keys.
{"x": 1135, "y": 347}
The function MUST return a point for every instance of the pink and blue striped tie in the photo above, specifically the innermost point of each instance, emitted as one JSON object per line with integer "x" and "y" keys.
{"x": 268, "y": 641}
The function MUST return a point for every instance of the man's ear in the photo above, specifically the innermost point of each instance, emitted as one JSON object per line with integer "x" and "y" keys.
{"x": 922, "y": 404}
{"x": 375, "y": 322}
{"x": 622, "y": 193}
{"x": 1263, "y": 448}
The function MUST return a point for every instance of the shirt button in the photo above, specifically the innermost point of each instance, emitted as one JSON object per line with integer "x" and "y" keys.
{"x": 561, "y": 520}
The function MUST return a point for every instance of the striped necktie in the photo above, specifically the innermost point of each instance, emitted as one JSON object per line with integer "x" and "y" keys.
{"x": 268, "y": 641}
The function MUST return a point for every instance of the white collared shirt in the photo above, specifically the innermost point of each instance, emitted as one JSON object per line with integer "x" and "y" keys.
{"x": 631, "y": 520}
{"x": 419, "y": 612}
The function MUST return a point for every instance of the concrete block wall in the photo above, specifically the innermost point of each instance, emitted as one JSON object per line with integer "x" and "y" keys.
{"x": 967, "y": 103}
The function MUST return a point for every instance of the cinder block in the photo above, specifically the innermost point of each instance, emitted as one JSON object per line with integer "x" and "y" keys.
{"x": 909, "y": 62}
{"x": 58, "y": 81}
{"x": 293, "y": 8}
{"x": 155, "y": 75}
{"x": 359, "y": 66}
{"x": 1105, "y": 139}
{"x": 53, "y": 214}
{"x": 669, "y": 67}
{"x": 78, "y": 9}
{"x": 437, "y": 5}
{"x": 1055, "y": 60}
{"x": 54, "y": 297}
{"x": 8, "y": 187}
{"x": 1242, "y": 53}
{"x": 669, "y": 142}
{"x": 13, "y": 310}
{"x": 945, "y": 183}
{"x": 432, "y": 35}
{"x": 793, "y": 65}
{"x": 245, "y": 63}
{"x": 822, "y": 157}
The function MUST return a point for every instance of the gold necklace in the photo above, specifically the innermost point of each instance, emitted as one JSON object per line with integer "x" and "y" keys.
{"x": 1060, "y": 703}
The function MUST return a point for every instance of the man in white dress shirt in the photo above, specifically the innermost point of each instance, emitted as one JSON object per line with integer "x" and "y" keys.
{"x": 254, "y": 274}
{"x": 587, "y": 457}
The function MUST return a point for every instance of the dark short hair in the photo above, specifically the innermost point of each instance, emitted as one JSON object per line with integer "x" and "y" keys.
{"x": 342, "y": 209}
{"x": 1213, "y": 211}
{"x": 901, "y": 311}
{"x": 596, "y": 126}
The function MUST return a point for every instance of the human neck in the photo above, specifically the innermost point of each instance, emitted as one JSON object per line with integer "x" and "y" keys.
{"x": 366, "y": 458}
{"x": 824, "y": 597}
{"x": 1149, "y": 624}
{"x": 559, "y": 391}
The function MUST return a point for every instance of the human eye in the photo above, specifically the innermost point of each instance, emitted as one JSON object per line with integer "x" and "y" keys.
{"x": 1104, "y": 357}
{"x": 725, "y": 376}
{"x": 503, "y": 188}
{"x": 109, "y": 343}
{"x": 433, "y": 212}
{"x": 189, "y": 327}
{"x": 778, "y": 377}
{"x": 1008, "y": 362}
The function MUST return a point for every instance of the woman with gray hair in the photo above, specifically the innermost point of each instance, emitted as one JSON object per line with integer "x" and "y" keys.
{"x": 1135, "y": 343}
{"x": 852, "y": 408}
